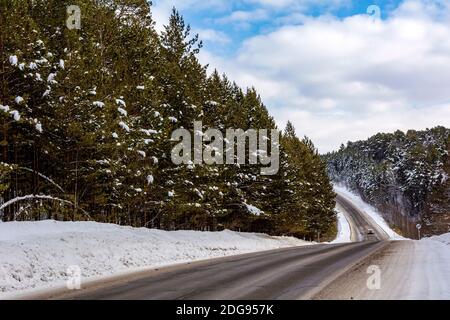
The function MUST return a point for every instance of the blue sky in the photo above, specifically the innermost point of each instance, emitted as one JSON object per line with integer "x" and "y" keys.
{"x": 332, "y": 69}
{"x": 236, "y": 21}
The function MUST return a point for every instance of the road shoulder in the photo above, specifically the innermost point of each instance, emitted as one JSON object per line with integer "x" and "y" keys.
{"x": 393, "y": 263}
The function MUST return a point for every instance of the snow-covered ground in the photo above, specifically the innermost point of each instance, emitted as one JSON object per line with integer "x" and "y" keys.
{"x": 370, "y": 211}
{"x": 344, "y": 232}
{"x": 430, "y": 275}
{"x": 445, "y": 239}
{"x": 38, "y": 254}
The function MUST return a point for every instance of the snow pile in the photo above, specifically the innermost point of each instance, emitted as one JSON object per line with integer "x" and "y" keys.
{"x": 430, "y": 269}
{"x": 344, "y": 232}
{"x": 370, "y": 211}
{"x": 444, "y": 238}
{"x": 38, "y": 254}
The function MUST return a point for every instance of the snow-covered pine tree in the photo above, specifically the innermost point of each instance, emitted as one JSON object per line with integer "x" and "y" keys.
{"x": 403, "y": 174}
{"x": 87, "y": 116}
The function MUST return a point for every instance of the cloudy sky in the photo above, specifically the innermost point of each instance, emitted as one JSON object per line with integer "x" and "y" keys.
{"x": 336, "y": 71}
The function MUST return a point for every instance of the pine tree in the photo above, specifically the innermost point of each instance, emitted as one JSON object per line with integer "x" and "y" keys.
{"x": 87, "y": 117}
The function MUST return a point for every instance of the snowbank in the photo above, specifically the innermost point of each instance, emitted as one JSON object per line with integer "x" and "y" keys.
{"x": 370, "y": 211}
{"x": 430, "y": 271}
{"x": 444, "y": 238}
{"x": 38, "y": 254}
{"x": 344, "y": 232}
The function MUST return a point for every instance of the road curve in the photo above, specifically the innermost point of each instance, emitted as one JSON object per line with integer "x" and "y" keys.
{"x": 292, "y": 273}
{"x": 360, "y": 222}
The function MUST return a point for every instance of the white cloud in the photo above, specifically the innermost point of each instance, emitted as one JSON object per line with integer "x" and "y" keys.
{"x": 329, "y": 129}
{"x": 261, "y": 9}
{"x": 347, "y": 79}
{"x": 240, "y": 16}
{"x": 299, "y": 4}
{"x": 214, "y": 36}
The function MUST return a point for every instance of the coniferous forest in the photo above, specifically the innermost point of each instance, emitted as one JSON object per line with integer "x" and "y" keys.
{"x": 87, "y": 114}
{"x": 404, "y": 175}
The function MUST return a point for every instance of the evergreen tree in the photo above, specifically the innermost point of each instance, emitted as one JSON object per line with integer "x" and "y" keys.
{"x": 87, "y": 117}
{"x": 404, "y": 174}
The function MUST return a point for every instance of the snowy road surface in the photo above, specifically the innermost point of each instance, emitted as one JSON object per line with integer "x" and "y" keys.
{"x": 362, "y": 226}
{"x": 367, "y": 212}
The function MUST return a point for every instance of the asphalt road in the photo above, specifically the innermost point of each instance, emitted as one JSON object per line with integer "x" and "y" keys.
{"x": 360, "y": 222}
{"x": 293, "y": 273}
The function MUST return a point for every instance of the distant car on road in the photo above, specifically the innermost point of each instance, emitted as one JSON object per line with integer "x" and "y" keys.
{"x": 370, "y": 232}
